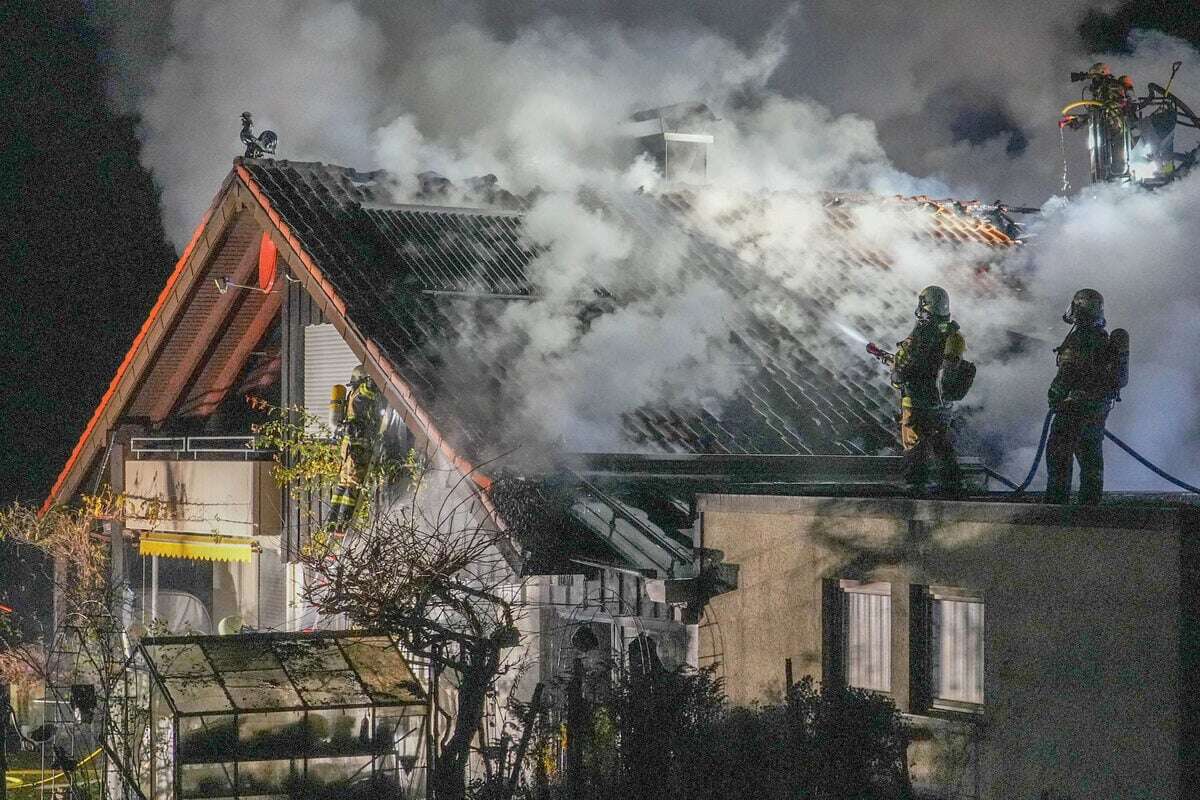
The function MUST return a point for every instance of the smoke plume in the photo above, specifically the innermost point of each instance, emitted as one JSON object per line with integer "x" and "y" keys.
{"x": 851, "y": 96}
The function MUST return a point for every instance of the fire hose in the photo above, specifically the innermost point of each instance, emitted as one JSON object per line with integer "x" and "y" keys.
{"x": 1041, "y": 449}
{"x": 889, "y": 358}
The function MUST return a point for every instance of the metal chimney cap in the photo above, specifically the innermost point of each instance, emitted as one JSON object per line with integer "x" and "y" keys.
{"x": 676, "y": 112}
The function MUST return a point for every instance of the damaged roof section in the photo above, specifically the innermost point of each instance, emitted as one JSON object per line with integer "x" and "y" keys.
{"x": 564, "y": 522}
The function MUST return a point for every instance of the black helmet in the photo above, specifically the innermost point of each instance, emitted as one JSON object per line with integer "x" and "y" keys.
{"x": 933, "y": 303}
{"x": 1087, "y": 308}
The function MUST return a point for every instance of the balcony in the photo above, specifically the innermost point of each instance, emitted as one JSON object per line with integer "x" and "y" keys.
{"x": 197, "y": 448}
{"x": 216, "y": 485}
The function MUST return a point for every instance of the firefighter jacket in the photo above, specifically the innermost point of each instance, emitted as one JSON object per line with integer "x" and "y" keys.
{"x": 362, "y": 414}
{"x": 1084, "y": 381}
{"x": 919, "y": 360}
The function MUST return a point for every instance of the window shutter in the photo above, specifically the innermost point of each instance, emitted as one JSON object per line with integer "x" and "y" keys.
{"x": 919, "y": 617}
{"x": 327, "y": 360}
{"x": 833, "y": 668}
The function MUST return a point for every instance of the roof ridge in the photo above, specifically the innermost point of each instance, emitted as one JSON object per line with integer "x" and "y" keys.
{"x": 350, "y": 172}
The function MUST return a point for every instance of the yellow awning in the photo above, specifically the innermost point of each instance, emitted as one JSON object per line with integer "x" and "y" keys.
{"x": 201, "y": 546}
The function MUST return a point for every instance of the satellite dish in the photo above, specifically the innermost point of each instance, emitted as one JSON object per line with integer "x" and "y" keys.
{"x": 267, "y": 141}
{"x": 230, "y": 625}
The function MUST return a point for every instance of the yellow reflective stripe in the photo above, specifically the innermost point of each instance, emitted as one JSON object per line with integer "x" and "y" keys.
{"x": 203, "y": 547}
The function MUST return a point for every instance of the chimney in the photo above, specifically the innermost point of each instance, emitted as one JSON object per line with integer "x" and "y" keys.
{"x": 674, "y": 138}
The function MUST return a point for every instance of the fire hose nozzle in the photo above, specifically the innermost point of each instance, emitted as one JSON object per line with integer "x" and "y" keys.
{"x": 879, "y": 353}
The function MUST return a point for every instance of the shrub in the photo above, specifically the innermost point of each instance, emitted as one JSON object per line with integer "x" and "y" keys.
{"x": 677, "y": 737}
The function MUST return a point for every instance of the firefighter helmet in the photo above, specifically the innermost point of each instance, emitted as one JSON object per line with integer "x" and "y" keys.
{"x": 358, "y": 375}
{"x": 1087, "y": 307}
{"x": 932, "y": 303}
{"x": 1100, "y": 68}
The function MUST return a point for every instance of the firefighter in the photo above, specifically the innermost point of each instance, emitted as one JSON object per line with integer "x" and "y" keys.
{"x": 359, "y": 433}
{"x": 925, "y": 435}
{"x": 1081, "y": 395}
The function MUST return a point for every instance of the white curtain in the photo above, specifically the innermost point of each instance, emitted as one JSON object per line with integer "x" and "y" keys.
{"x": 958, "y": 651}
{"x": 869, "y": 640}
{"x": 180, "y": 613}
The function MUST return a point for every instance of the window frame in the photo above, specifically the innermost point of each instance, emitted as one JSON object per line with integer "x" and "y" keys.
{"x": 836, "y": 630}
{"x": 923, "y": 647}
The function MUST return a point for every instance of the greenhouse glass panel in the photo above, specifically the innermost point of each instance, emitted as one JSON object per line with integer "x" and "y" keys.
{"x": 261, "y": 689}
{"x": 195, "y": 695}
{"x": 310, "y": 655}
{"x": 332, "y": 689}
{"x": 230, "y": 654}
{"x": 383, "y": 671}
{"x": 206, "y": 739}
{"x": 179, "y": 660}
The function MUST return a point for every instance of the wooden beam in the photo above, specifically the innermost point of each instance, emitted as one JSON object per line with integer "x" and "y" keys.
{"x": 216, "y": 324}
{"x": 253, "y": 336}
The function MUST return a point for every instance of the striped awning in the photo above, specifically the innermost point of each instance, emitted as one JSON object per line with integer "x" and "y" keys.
{"x": 199, "y": 546}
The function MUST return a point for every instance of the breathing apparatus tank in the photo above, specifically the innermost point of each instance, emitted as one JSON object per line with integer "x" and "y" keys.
{"x": 337, "y": 405}
{"x": 1118, "y": 359}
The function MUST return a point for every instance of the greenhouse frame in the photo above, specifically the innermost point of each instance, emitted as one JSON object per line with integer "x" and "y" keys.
{"x": 281, "y": 715}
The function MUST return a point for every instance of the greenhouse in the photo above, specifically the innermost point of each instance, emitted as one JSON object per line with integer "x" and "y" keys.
{"x": 281, "y": 715}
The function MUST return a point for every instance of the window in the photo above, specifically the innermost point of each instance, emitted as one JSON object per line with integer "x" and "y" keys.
{"x": 867, "y": 634}
{"x": 956, "y": 649}
{"x": 948, "y": 648}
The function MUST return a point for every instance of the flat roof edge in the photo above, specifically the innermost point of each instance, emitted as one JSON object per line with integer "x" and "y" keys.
{"x": 1164, "y": 518}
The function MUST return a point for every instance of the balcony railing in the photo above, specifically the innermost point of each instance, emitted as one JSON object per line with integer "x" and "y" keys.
{"x": 197, "y": 447}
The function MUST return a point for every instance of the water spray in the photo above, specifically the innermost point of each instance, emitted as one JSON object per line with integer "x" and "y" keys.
{"x": 851, "y": 333}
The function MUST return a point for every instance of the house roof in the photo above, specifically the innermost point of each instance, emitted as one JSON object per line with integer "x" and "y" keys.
{"x": 414, "y": 277}
{"x": 404, "y": 281}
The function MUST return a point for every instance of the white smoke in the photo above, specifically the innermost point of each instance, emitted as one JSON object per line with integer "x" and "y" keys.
{"x": 826, "y": 97}
{"x": 1140, "y": 250}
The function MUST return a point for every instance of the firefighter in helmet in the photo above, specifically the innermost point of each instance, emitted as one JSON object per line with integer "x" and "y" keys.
{"x": 925, "y": 435}
{"x": 1080, "y": 396}
{"x": 359, "y": 429}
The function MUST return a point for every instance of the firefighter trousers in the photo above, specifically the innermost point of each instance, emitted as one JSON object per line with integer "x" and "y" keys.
{"x": 1076, "y": 435}
{"x": 356, "y": 460}
{"x": 925, "y": 436}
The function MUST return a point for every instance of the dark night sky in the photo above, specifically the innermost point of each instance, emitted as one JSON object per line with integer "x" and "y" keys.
{"x": 82, "y": 240}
